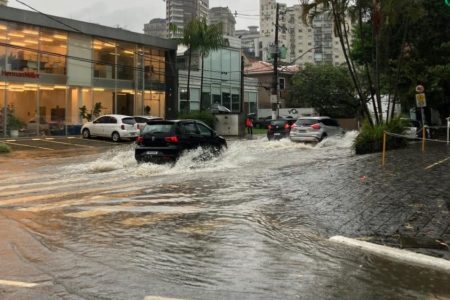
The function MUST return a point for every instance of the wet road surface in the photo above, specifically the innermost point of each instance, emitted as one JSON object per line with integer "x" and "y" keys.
{"x": 251, "y": 224}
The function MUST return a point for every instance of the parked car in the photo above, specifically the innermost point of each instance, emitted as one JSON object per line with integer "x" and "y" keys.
{"x": 165, "y": 140}
{"x": 314, "y": 129}
{"x": 280, "y": 128}
{"x": 116, "y": 127}
{"x": 262, "y": 122}
{"x": 412, "y": 128}
{"x": 141, "y": 121}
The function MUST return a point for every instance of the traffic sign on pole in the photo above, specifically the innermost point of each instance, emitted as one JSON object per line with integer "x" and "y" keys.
{"x": 421, "y": 100}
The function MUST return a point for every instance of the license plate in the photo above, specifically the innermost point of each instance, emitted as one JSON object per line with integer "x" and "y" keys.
{"x": 302, "y": 131}
{"x": 277, "y": 133}
{"x": 151, "y": 152}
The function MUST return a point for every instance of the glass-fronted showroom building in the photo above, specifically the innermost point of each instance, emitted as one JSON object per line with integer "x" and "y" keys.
{"x": 52, "y": 68}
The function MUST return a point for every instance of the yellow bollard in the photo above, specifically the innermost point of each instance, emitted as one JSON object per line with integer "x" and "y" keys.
{"x": 383, "y": 156}
{"x": 423, "y": 137}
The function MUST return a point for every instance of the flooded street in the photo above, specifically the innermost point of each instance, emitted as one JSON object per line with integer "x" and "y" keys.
{"x": 253, "y": 223}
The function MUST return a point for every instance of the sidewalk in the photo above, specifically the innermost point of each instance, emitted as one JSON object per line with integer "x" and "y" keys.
{"x": 406, "y": 204}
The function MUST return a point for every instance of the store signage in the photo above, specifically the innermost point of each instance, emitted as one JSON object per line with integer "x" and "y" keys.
{"x": 21, "y": 74}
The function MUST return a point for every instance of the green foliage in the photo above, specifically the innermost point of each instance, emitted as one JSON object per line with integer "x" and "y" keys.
{"x": 4, "y": 148}
{"x": 326, "y": 88}
{"x": 13, "y": 123}
{"x": 370, "y": 138}
{"x": 93, "y": 114}
{"x": 204, "y": 116}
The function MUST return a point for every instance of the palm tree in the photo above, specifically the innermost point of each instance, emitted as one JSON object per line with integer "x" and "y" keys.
{"x": 210, "y": 38}
{"x": 190, "y": 38}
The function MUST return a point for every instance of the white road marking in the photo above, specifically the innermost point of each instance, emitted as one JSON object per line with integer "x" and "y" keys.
{"x": 398, "y": 255}
{"x": 23, "y": 145}
{"x": 18, "y": 283}
{"x": 437, "y": 163}
{"x": 159, "y": 298}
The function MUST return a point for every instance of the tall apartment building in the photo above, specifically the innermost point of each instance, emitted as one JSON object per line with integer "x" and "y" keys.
{"x": 224, "y": 16}
{"x": 312, "y": 43}
{"x": 156, "y": 27}
{"x": 180, "y": 12}
{"x": 250, "y": 41}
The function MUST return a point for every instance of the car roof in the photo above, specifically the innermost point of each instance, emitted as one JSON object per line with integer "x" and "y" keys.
{"x": 147, "y": 117}
{"x": 314, "y": 118}
{"x": 116, "y": 116}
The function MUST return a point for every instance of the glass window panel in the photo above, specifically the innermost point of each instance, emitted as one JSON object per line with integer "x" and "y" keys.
{"x": 104, "y": 57}
{"x": 125, "y": 61}
{"x": 226, "y": 98}
{"x": 53, "y": 45}
{"x": 52, "y": 110}
{"x": 22, "y": 55}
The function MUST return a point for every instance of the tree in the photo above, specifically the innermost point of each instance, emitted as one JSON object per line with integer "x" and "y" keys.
{"x": 377, "y": 69}
{"x": 210, "y": 38}
{"x": 326, "y": 88}
{"x": 201, "y": 37}
{"x": 190, "y": 39}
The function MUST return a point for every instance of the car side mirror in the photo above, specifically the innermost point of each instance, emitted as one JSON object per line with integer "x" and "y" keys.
{"x": 213, "y": 133}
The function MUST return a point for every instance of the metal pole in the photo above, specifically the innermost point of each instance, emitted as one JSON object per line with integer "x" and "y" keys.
{"x": 448, "y": 131}
{"x": 383, "y": 156}
{"x": 275, "y": 106}
{"x": 423, "y": 128}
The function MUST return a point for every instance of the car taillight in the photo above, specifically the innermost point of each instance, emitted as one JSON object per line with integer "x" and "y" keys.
{"x": 269, "y": 127}
{"x": 286, "y": 126}
{"x": 122, "y": 127}
{"x": 171, "y": 139}
{"x": 139, "y": 139}
{"x": 315, "y": 126}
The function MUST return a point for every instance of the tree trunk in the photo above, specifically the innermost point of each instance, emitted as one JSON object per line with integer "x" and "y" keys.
{"x": 201, "y": 84}
{"x": 189, "y": 80}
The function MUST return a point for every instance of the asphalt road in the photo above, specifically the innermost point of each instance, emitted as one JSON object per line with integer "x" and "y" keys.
{"x": 88, "y": 222}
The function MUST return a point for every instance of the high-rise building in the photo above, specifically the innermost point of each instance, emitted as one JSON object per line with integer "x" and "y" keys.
{"x": 312, "y": 43}
{"x": 250, "y": 41}
{"x": 224, "y": 16}
{"x": 156, "y": 27}
{"x": 180, "y": 12}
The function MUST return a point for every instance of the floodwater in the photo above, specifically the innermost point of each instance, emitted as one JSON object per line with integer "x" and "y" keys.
{"x": 245, "y": 225}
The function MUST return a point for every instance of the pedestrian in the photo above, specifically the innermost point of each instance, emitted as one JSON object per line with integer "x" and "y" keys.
{"x": 249, "y": 125}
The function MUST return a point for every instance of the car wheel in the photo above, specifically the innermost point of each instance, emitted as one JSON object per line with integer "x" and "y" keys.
{"x": 324, "y": 136}
{"x": 86, "y": 134}
{"x": 115, "y": 137}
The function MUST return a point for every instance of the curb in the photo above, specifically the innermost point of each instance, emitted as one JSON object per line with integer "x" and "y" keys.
{"x": 397, "y": 255}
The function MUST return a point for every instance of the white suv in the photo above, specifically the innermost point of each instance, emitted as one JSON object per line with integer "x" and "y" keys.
{"x": 314, "y": 129}
{"x": 116, "y": 127}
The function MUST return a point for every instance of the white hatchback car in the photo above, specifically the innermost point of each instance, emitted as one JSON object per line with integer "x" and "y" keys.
{"x": 141, "y": 121}
{"x": 116, "y": 127}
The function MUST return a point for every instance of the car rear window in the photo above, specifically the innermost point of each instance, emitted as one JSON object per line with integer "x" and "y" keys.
{"x": 129, "y": 121}
{"x": 278, "y": 122}
{"x": 306, "y": 122}
{"x": 158, "y": 128}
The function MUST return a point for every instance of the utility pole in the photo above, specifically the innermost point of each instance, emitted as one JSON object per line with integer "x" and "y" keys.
{"x": 274, "y": 97}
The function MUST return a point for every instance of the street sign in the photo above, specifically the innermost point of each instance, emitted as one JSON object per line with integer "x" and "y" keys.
{"x": 421, "y": 100}
{"x": 273, "y": 99}
{"x": 420, "y": 89}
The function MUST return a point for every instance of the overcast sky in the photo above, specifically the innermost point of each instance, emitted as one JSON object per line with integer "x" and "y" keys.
{"x": 132, "y": 14}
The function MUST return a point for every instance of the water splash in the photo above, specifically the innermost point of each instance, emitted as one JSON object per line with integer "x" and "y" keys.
{"x": 239, "y": 154}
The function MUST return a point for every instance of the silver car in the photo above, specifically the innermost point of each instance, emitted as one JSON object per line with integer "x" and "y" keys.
{"x": 116, "y": 127}
{"x": 314, "y": 129}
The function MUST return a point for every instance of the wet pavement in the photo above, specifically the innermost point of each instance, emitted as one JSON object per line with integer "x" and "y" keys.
{"x": 90, "y": 223}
